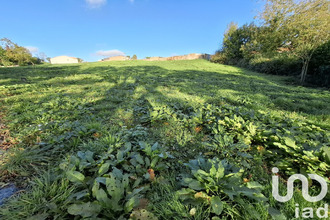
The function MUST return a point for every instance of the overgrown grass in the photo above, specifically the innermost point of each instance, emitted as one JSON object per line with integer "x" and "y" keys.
{"x": 191, "y": 108}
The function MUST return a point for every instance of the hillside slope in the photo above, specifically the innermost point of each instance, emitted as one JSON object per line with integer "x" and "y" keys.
{"x": 152, "y": 126}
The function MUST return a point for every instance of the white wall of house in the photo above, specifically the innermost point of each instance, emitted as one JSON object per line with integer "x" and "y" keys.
{"x": 63, "y": 60}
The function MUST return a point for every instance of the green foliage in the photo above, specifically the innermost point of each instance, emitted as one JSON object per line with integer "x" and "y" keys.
{"x": 238, "y": 133}
{"x": 291, "y": 33}
{"x": 319, "y": 67}
{"x": 110, "y": 184}
{"x": 47, "y": 197}
{"x": 281, "y": 64}
{"x": 238, "y": 43}
{"x": 218, "y": 184}
{"x": 98, "y": 120}
{"x": 11, "y": 53}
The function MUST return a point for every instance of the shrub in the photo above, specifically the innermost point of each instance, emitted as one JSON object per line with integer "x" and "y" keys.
{"x": 219, "y": 58}
{"x": 278, "y": 65}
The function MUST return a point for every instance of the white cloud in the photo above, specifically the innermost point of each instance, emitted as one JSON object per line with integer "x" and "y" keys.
{"x": 32, "y": 49}
{"x": 109, "y": 53}
{"x": 95, "y": 3}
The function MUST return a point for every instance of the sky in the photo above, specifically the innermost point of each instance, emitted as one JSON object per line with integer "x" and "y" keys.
{"x": 94, "y": 29}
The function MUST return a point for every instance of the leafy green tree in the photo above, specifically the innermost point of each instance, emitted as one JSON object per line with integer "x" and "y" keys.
{"x": 134, "y": 57}
{"x": 16, "y": 54}
{"x": 231, "y": 44}
{"x": 239, "y": 43}
{"x": 2, "y": 56}
{"x": 305, "y": 24}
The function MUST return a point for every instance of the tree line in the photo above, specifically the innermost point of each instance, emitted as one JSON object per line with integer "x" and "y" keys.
{"x": 13, "y": 54}
{"x": 292, "y": 39}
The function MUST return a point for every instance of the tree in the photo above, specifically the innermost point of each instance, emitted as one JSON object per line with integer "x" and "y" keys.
{"x": 3, "y": 57}
{"x": 305, "y": 24}
{"x": 16, "y": 54}
{"x": 238, "y": 43}
{"x": 134, "y": 57}
{"x": 80, "y": 60}
{"x": 231, "y": 44}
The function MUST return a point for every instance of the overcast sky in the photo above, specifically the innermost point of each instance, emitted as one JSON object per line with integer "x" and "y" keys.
{"x": 94, "y": 29}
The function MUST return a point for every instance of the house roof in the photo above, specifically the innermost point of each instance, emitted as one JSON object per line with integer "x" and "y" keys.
{"x": 65, "y": 57}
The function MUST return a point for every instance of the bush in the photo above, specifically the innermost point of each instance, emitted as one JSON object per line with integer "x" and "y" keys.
{"x": 278, "y": 65}
{"x": 219, "y": 58}
{"x": 319, "y": 67}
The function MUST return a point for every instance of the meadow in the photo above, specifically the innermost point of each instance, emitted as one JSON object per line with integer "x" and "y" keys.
{"x": 157, "y": 140}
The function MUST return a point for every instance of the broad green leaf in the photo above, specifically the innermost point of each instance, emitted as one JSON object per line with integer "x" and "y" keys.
{"x": 75, "y": 176}
{"x": 128, "y": 146}
{"x": 254, "y": 185}
{"x": 155, "y": 146}
{"x": 95, "y": 188}
{"x": 129, "y": 205}
{"x": 115, "y": 189}
{"x": 147, "y": 160}
{"x": 85, "y": 209}
{"x": 102, "y": 196}
{"x": 291, "y": 143}
{"x": 101, "y": 180}
{"x": 89, "y": 156}
{"x": 154, "y": 162}
{"x": 125, "y": 181}
{"x": 80, "y": 194}
{"x": 117, "y": 173}
{"x": 104, "y": 168}
{"x": 43, "y": 216}
{"x": 326, "y": 154}
{"x": 202, "y": 172}
{"x": 139, "y": 159}
{"x": 216, "y": 205}
{"x": 213, "y": 171}
{"x": 81, "y": 155}
{"x": 186, "y": 193}
{"x": 135, "y": 192}
{"x": 196, "y": 185}
{"x": 221, "y": 171}
{"x": 120, "y": 156}
{"x": 230, "y": 193}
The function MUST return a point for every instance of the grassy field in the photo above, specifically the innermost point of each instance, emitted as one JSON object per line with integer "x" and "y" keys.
{"x": 148, "y": 140}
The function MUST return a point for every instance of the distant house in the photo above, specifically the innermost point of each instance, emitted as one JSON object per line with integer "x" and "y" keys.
{"x": 116, "y": 58}
{"x": 63, "y": 60}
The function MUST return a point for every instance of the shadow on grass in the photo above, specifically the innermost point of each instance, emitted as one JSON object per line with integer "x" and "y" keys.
{"x": 230, "y": 85}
